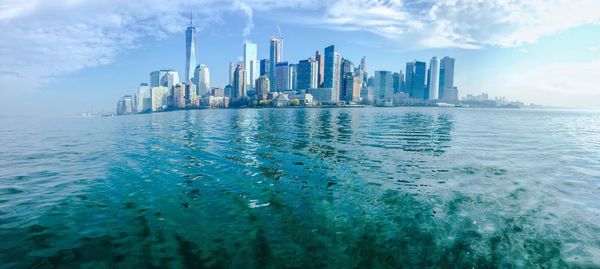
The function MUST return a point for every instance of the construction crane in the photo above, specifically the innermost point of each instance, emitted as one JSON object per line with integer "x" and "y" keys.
{"x": 281, "y": 38}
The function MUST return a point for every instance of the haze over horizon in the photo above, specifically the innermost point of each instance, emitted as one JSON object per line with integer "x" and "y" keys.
{"x": 65, "y": 57}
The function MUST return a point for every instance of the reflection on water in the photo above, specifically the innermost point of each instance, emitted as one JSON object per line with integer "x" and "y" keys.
{"x": 309, "y": 188}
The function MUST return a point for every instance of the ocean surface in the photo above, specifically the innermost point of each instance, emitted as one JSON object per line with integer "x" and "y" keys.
{"x": 303, "y": 188}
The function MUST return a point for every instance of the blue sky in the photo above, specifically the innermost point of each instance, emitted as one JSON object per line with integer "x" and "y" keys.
{"x": 63, "y": 57}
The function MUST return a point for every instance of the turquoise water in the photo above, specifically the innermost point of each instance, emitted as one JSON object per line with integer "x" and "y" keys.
{"x": 302, "y": 188}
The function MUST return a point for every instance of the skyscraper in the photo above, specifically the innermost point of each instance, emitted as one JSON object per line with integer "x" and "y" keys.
{"x": 231, "y": 71}
{"x": 384, "y": 89}
{"x": 191, "y": 51}
{"x": 144, "y": 103}
{"x": 415, "y": 79}
{"x": 202, "y": 79}
{"x": 275, "y": 57}
{"x": 418, "y": 80}
{"x": 332, "y": 71}
{"x": 239, "y": 82}
{"x": 282, "y": 80}
{"x": 155, "y": 77}
{"x": 293, "y": 77}
{"x": 410, "y": 72}
{"x": 262, "y": 87}
{"x": 265, "y": 65}
{"x": 396, "y": 82}
{"x": 320, "y": 70}
{"x": 447, "y": 78}
{"x": 250, "y": 63}
{"x": 346, "y": 70}
{"x": 307, "y": 74}
{"x": 170, "y": 78}
{"x": 434, "y": 80}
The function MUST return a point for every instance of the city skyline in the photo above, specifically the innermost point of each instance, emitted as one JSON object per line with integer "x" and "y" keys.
{"x": 484, "y": 63}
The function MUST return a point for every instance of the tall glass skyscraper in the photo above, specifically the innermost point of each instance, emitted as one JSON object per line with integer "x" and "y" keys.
{"x": 418, "y": 80}
{"x": 191, "y": 51}
{"x": 250, "y": 63}
{"x": 434, "y": 78}
{"x": 275, "y": 57}
{"x": 332, "y": 71}
{"x": 446, "y": 78}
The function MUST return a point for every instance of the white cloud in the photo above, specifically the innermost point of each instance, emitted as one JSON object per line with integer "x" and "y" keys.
{"x": 42, "y": 39}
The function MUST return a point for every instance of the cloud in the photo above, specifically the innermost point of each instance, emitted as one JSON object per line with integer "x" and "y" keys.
{"x": 43, "y": 39}
{"x": 461, "y": 23}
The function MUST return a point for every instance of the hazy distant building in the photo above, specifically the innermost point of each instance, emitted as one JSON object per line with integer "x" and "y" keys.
{"x": 228, "y": 91}
{"x": 144, "y": 98}
{"x": 191, "y": 52}
{"x": 250, "y": 63}
{"x": 125, "y": 105}
{"x": 446, "y": 85}
{"x": 383, "y": 87}
{"x": 239, "y": 82}
{"x": 263, "y": 87}
{"x": 282, "y": 80}
{"x": 265, "y": 65}
{"x": 434, "y": 78}
{"x": 231, "y": 71}
{"x": 275, "y": 57}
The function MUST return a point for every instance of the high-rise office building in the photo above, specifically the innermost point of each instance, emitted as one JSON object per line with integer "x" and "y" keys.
{"x": 396, "y": 82}
{"x": 447, "y": 79}
{"x": 419, "y": 80}
{"x": 231, "y": 71}
{"x": 320, "y": 68}
{"x": 144, "y": 98}
{"x": 282, "y": 80}
{"x": 125, "y": 105}
{"x": 170, "y": 78}
{"x": 190, "y": 95}
{"x": 332, "y": 71}
{"x": 434, "y": 78}
{"x": 383, "y": 87}
{"x": 415, "y": 79}
{"x": 155, "y": 77}
{"x": 307, "y": 74}
{"x": 410, "y": 72}
{"x": 202, "y": 79}
{"x": 239, "y": 82}
{"x": 352, "y": 86}
{"x": 265, "y": 65}
{"x": 191, "y": 52}
{"x": 262, "y": 87}
{"x": 250, "y": 63}
{"x": 274, "y": 58}
{"x": 293, "y": 77}
{"x": 346, "y": 70}
{"x": 196, "y": 78}
{"x": 160, "y": 97}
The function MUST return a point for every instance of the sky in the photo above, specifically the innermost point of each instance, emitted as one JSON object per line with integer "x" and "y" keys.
{"x": 73, "y": 56}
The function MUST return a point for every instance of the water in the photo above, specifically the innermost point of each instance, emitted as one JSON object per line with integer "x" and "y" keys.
{"x": 302, "y": 188}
